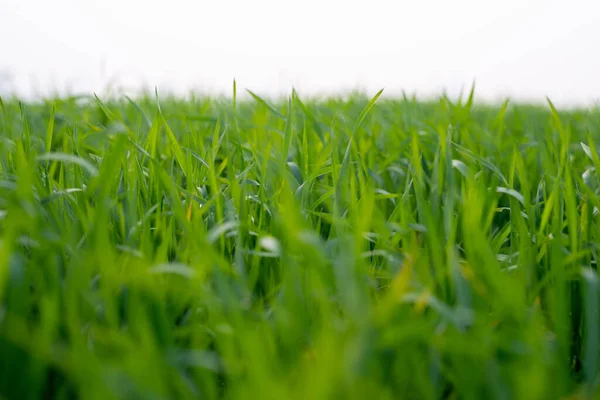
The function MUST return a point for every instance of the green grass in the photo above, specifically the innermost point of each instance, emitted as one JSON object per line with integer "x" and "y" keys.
{"x": 325, "y": 249}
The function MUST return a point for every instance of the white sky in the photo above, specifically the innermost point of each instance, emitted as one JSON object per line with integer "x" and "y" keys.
{"x": 523, "y": 48}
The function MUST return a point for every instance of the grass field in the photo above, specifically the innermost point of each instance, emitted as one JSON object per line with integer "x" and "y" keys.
{"x": 352, "y": 248}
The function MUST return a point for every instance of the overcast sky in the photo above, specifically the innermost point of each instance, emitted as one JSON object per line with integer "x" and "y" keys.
{"x": 526, "y": 49}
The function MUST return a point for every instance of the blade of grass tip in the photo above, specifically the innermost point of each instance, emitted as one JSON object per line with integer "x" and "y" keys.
{"x": 263, "y": 102}
{"x": 4, "y": 115}
{"x": 151, "y": 142}
{"x": 234, "y": 96}
{"x": 173, "y": 268}
{"x": 591, "y": 152}
{"x": 341, "y": 180}
{"x": 213, "y": 179}
{"x": 156, "y": 98}
{"x": 335, "y": 157}
{"x": 305, "y": 154}
{"x": 305, "y": 109}
{"x": 554, "y": 111}
{"x": 216, "y": 139}
{"x": 69, "y": 159}
{"x": 461, "y": 94}
{"x": 462, "y": 168}
{"x": 112, "y": 117}
{"x": 105, "y": 109}
{"x": 513, "y": 193}
{"x": 561, "y": 130}
{"x": 471, "y": 97}
{"x": 365, "y": 111}
{"x": 140, "y": 149}
{"x": 25, "y": 128}
{"x": 499, "y": 124}
{"x": 50, "y": 129}
{"x": 586, "y": 150}
{"x": 288, "y": 132}
{"x": 139, "y": 109}
{"x": 176, "y": 148}
{"x": 315, "y": 123}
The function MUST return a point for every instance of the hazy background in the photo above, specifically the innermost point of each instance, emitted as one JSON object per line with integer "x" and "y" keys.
{"x": 526, "y": 49}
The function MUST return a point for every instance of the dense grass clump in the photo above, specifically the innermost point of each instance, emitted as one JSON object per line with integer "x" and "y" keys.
{"x": 331, "y": 249}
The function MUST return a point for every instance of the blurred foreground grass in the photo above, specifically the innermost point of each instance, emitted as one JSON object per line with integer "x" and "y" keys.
{"x": 330, "y": 249}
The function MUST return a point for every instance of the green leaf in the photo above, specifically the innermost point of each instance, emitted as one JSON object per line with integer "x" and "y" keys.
{"x": 512, "y": 193}
{"x": 50, "y": 130}
{"x": 173, "y": 269}
{"x": 69, "y": 159}
{"x": 365, "y": 111}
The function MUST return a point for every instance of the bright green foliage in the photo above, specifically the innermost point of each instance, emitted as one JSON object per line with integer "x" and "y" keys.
{"x": 323, "y": 249}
